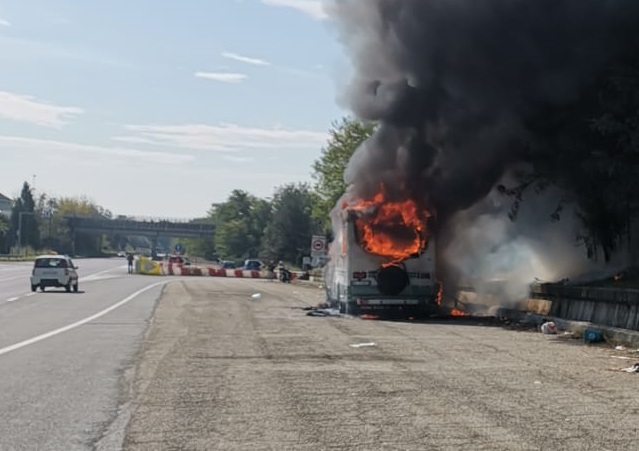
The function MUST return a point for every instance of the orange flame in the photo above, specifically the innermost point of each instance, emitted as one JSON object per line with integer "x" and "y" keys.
{"x": 456, "y": 312}
{"x": 440, "y": 297}
{"x": 367, "y": 316}
{"x": 392, "y": 229}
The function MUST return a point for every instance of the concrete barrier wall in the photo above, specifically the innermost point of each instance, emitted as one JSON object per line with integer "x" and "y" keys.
{"x": 148, "y": 267}
{"x": 613, "y": 307}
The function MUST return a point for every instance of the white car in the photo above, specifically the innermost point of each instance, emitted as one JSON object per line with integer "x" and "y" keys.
{"x": 54, "y": 271}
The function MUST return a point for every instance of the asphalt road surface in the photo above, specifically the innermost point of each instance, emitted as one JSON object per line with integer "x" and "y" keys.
{"x": 62, "y": 354}
{"x": 216, "y": 370}
{"x": 219, "y": 371}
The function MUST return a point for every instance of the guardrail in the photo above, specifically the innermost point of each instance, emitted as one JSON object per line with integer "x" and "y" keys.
{"x": 13, "y": 257}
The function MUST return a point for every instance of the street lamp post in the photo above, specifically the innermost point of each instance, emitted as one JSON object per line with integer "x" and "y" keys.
{"x": 20, "y": 226}
{"x": 48, "y": 214}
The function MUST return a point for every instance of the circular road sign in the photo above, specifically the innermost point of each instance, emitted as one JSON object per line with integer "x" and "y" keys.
{"x": 318, "y": 245}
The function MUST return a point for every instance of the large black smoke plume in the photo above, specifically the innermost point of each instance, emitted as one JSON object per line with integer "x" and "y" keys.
{"x": 453, "y": 84}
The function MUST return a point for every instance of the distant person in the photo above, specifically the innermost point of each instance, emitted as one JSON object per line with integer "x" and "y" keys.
{"x": 271, "y": 271}
{"x": 285, "y": 275}
{"x": 129, "y": 259}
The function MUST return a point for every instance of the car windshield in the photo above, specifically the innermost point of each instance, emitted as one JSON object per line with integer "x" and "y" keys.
{"x": 50, "y": 263}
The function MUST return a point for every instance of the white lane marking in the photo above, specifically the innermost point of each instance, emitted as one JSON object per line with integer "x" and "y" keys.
{"x": 61, "y": 330}
{"x": 11, "y": 278}
{"x": 97, "y": 274}
{"x": 17, "y": 298}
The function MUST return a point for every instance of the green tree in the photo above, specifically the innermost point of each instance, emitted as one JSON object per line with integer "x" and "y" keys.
{"x": 24, "y": 222}
{"x": 288, "y": 234}
{"x": 55, "y": 229}
{"x": 5, "y": 228}
{"x": 328, "y": 171}
{"x": 590, "y": 149}
{"x": 240, "y": 222}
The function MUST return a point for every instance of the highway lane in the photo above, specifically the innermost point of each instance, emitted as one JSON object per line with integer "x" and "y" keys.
{"x": 62, "y": 355}
{"x": 14, "y": 276}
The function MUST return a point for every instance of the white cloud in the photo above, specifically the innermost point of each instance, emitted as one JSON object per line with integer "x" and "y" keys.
{"x": 312, "y": 8}
{"x": 28, "y": 109}
{"x": 224, "y": 137}
{"x": 21, "y": 144}
{"x": 224, "y": 77}
{"x": 245, "y": 59}
{"x": 4, "y": 23}
{"x": 21, "y": 49}
{"x": 236, "y": 159}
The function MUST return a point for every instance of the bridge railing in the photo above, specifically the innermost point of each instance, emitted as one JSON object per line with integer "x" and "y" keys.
{"x": 154, "y": 219}
{"x": 157, "y": 225}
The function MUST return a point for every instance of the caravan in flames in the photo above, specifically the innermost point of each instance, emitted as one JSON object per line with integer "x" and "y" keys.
{"x": 383, "y": 258}
{"x": 394, "y": 230}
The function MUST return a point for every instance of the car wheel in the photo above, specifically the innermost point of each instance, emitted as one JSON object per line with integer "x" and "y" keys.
{"x": 34, "y": 288}
{"x": 76, "y": 287}
{"x": 42, "y": 287}
{"x": 68, "y": 287}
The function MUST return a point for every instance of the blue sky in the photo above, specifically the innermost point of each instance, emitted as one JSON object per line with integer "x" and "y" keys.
{"x": 156, "y": 107}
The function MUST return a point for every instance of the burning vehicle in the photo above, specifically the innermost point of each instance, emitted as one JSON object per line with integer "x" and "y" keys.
{"x": 467, "y": 97}
{"x": 382, "y": 258}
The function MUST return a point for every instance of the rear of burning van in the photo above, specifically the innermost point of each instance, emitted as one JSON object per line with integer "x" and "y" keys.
{"x": 406, "y": 288}
{"x": 360, "y": 282}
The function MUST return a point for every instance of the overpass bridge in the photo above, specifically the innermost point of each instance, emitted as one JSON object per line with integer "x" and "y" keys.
{"x": 152, "y": 228}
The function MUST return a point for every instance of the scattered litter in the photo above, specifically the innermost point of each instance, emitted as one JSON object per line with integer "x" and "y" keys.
{"x": 593, "y": 336}
{"x": 549, "y": 328}
{"x": 364, "y": 345}
{"x": 322, "y": 309}
{"x": 620, "y": 357}
{"x": 537, "y": 382}
{"x": 324, "y": 312}
{"x": 633, "y": 369}
{"x": 620, "y": 348}
{"x": 256, "y": 296}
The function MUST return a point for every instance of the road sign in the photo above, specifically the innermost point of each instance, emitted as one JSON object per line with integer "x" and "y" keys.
{"x": 318, "y": 261}
{"x": 318, "y": 245}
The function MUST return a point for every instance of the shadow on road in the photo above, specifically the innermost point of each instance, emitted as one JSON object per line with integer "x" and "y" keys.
{"x": 469, "y": 320}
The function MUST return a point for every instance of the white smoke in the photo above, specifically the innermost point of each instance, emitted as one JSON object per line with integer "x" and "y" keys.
{"x": 502, "y": 258}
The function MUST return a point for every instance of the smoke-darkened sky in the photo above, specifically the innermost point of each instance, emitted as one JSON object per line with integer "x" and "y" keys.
{"x": 453, "y": 81}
